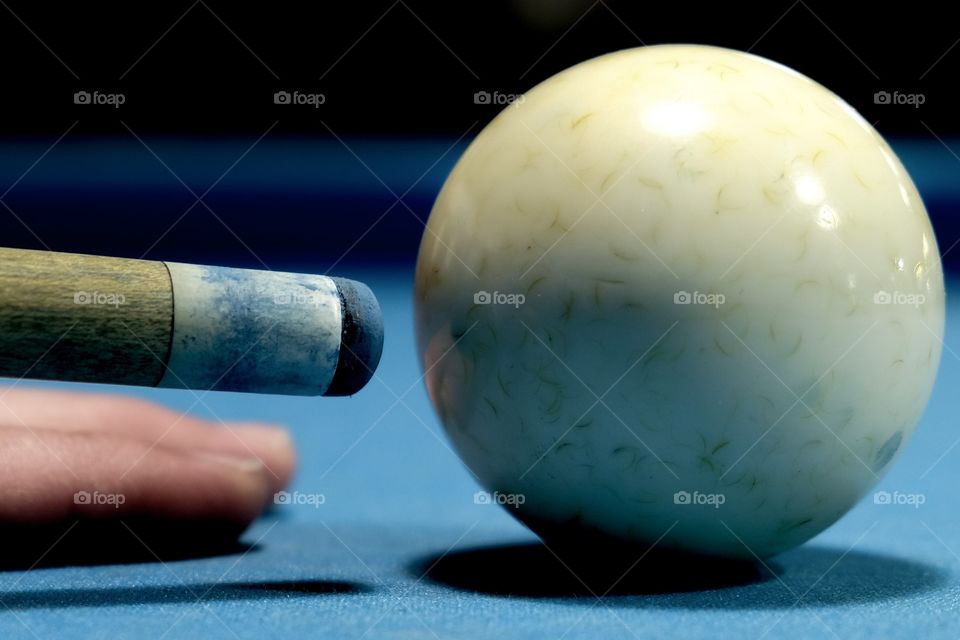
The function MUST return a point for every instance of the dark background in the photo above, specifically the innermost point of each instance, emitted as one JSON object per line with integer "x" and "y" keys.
{"x": 211, "y": 67}
{"x": 398, "y": 79}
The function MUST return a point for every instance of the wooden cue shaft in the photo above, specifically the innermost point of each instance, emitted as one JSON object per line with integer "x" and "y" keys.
{"x": 70, "y": 317}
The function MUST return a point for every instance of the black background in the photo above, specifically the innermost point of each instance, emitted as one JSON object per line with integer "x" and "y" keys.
{"x": 412, "y": 67}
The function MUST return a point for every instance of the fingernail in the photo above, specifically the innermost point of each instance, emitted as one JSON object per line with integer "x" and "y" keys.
{"x": 238, "y": 463}
{"x": 275, "y": 438}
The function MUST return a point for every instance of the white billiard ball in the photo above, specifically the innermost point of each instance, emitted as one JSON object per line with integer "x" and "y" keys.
{"x": 679, "y": 294}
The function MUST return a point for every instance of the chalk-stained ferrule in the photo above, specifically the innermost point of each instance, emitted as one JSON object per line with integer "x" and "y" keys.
{"x": 263, "y": 331}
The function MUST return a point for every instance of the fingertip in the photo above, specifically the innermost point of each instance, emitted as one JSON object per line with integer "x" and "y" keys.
{"x": 272, "y": 444}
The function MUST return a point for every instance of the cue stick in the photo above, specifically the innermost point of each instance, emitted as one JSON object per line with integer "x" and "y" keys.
{"x": 98, "y": 319}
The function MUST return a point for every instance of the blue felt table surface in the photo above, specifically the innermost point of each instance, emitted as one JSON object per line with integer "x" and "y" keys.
{"x": 396, "y": 498}
{"x": 331, "y": 201}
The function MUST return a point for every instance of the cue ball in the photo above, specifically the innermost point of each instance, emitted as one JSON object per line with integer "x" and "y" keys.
{"x": 683, "y": 296}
